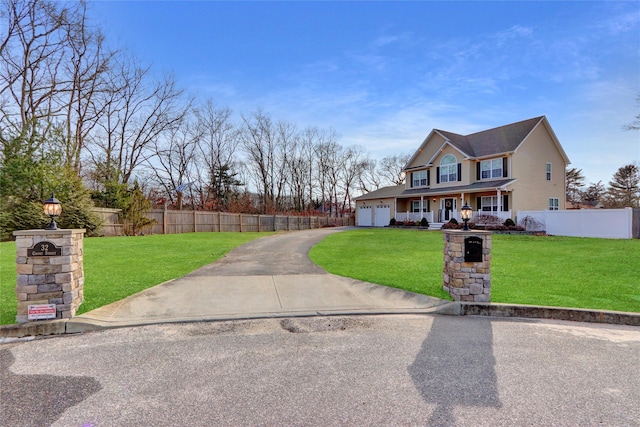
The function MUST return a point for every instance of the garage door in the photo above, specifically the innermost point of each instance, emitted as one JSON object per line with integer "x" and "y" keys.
{"x": 382, "y": 215}
{"x": 364, "y": 216}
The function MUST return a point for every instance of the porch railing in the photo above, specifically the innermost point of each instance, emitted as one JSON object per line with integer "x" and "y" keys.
{"x": 440, "y": 215}
{"x": 414, "y": 216}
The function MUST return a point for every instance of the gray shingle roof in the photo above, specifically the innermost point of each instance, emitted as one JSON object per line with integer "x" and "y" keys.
{"x": 382, "y": 193}
{"x": 503, "y": 139}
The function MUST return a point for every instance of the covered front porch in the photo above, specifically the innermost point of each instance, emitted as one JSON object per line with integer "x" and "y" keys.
{"x": 442, "y": 208}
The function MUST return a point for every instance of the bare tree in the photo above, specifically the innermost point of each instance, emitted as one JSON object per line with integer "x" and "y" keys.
{"x": 298, "y": 167}
{"x": 329, "y": 157}
{"x": 286, "y": 142}
{"x": 218, "y": 155}
{"x": 173, "y": 164}
{"x": 259, "y": 142}
{"x": 87, "y": 64}
{"x": 370, "y": 178}
{"x": 353, "y": 166}
{"x": 391, "y": 169}
{"x": 137, "y": 112}
{"x": 309, "y": 139}
{"x": 31, "y": 76}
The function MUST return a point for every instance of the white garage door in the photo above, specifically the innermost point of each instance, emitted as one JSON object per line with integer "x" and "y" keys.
{"x": 364, "y": 216}
{"x": 382, "y": 215}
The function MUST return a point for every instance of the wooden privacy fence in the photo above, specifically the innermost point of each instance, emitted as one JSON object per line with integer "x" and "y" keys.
{"x": 111, "y": 225}
{"x": 174, "y": 222}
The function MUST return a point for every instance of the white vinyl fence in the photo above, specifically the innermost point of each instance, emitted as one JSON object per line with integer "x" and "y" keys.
{"x": 603, "y": 223}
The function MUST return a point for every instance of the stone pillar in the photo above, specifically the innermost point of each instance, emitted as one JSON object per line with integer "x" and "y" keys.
{"x": 467, "y": 265}
{"x": 50, "y": 271}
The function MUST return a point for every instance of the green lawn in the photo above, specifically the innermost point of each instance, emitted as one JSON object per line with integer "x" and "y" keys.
{"x": 554, "y": 271}
{"x": 116, "y": 267}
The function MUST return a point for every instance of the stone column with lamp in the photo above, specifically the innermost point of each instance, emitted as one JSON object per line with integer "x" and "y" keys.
{"x": 467, "y": 262}
{"x": 49, "y": 267}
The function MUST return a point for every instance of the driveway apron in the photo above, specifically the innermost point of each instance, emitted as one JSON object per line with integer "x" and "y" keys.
{"x": 268, "y": 277}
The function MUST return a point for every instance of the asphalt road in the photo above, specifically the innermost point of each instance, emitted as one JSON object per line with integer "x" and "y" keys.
{"x": 360, "y": 370}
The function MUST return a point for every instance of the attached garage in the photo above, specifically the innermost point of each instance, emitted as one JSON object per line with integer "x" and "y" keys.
{"x": 364, "y": 216}
{"x": 382, "y": 215}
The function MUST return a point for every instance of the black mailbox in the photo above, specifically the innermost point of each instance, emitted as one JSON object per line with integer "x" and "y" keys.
{"x": 473, "y": 249}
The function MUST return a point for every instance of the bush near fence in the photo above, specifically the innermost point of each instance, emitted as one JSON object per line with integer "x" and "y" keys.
{"x": 175, "y": 222}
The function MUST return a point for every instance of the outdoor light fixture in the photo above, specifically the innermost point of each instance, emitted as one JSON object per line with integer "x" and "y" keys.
{"x": 52, "y": 208}
{"x": 465, "y": 213}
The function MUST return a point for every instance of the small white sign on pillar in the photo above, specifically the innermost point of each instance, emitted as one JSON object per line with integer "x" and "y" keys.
{"x": 41, "y": 311}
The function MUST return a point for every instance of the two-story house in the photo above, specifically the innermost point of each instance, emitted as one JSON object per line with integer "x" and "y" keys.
{"x": 519, "y": 166}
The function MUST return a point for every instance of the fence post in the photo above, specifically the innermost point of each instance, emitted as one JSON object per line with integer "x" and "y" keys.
{"x": 164, "y": 219}
{"x": 240, "y": 218}
{"x": 195, "y": 223}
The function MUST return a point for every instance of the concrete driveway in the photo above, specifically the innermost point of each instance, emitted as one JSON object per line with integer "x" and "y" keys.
{"x": 268, "y": 277}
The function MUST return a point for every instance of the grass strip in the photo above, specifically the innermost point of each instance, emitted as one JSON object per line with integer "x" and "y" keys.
{"x": 116, "y": 267}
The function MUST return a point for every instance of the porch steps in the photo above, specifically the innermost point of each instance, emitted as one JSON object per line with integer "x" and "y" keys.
{"x": 435, "y": 225}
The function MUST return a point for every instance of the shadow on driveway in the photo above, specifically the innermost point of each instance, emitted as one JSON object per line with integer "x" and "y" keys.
{"x": 455, "y": 367}
{"x": 38, "y": 400}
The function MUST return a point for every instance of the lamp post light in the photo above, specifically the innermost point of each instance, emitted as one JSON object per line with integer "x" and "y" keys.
{"x": 466, "y": 212}
{"x": 52, "y": 208}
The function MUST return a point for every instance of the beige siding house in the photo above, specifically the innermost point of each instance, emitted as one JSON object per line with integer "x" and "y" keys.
{"x": 519, "y": 166}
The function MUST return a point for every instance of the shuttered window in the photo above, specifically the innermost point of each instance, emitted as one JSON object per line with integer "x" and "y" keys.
{"x": 448, "y": 170}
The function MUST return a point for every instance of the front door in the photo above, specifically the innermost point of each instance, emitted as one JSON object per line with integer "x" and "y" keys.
{"x": 448, "y": 207}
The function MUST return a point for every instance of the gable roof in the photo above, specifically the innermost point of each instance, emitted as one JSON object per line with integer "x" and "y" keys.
{"x": 500, "y": 140}
{"x": 503, "y": 139}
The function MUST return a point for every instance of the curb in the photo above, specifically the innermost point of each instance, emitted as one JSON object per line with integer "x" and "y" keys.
{"x": 540, "y": 312}
{"x": 75, "y": 326}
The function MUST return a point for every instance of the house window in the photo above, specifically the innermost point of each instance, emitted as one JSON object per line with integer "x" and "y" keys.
{"x": 489, "y": 204}
{"x": 491, "y": 169}
{"x": 419, "y": 179}
{"x": 553, "y": 204}
{"x": 548, "y": 171}
{"x": 449, "y": 169}
{"x": 415, "y": 206}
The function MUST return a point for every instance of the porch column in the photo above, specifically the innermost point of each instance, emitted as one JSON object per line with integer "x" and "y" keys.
{"x": 395, "y": 207}
{"x": 499, "y": 202}
{"x": 421, "y": 207}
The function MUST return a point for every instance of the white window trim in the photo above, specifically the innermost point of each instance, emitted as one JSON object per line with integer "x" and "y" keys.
{"x": 494, "y": 172}
{"x": 448, "y": 167}
{"x": 417, "y": 210}
{"x": 554, "y": 204}
{"x": 419, "y": 179}
{"x": 548, "y": 171}
{"x": 493, "y": 204}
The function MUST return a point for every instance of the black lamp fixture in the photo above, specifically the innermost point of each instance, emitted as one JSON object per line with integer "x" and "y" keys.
{"x": 465, "y": 213}
{"x": 52, "y": 208}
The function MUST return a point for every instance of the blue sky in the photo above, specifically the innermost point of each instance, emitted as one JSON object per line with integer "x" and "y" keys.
{"x": 383, "y": 74}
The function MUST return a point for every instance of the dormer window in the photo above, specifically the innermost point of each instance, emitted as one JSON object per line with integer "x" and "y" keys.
{"x": 449, "y": 168}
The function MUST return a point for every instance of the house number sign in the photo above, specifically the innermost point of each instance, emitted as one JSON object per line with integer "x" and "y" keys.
{"x": 473, "y": 249}
{"x": 44, "y": 248}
